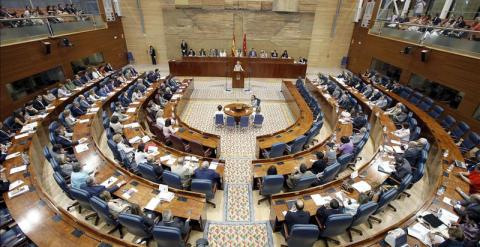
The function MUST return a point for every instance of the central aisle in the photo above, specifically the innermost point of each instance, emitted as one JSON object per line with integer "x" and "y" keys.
{"x": 236, "y": 225}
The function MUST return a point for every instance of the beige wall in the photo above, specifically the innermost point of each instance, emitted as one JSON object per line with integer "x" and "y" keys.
{"x": 210, "y": 24}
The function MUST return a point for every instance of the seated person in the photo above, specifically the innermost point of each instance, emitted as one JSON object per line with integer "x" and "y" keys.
{"x": 78, "y": 177}
{"x": 120, "y": 115}
{"x": 63, "y": 92}
{"x": 169, "y": 220}
{"x": 323, "y": 212}
{"x": 357, "y": 137}
{"x": 65, "y": 161}
{"x": 203, "y": 172}
{"x": 38, "y": 103}
{"x": 18, "y": 120}
{"x": 159, "y": 120}
{"x": 69, "y": 85}
{"x": 347, "y": 145}
{"x": 468, "y": 204}
{"x": 331, "y": 153}
{"x": 95, "y": 189}
{"x": 5, "y": 134}
{"x": 359, "y": 121}
{"x": 402, "y": 169}
{"x": 115, "y": 206}
{"x": 300, "y": 172}
{"x": 153, "y": 106}
{"x": 471, "y": 229}
{"x": 140, "y": 155}
{"x": 472, "y": 178}
{"x": 168, "y": 94}
{"x": 320, "y": 164}
{"x": 296, "y": 217}
{"x": 256, "y": 112}
{"x": 455, "y": 238}
{"x": 168, "y": 129}
{"x": 136, "y": 95}
{"x": 64, "y": 140}
{"x": 274, "y": 54}
{"x": 413, "y": 153}
{"x": 76, "y": 110}
{"x": 285, "y": 54}
{"x": 48, "y": 97}
{"x": 351, "y": 206}
{"x": 403, "y": 133}
{"x": 272, "y": 170}
{"x": 185, "y": 172}
{"x": 381, "y": 102}
{"x": 70, "y": 121}
{"x": 156, "y": 166}
{"x": 375, "y": 95}
{"x": 219, "y": 111}
{"x": 148, "y": 219}
{"x": 122, "y": 146}
{"x": 116, "y": 126}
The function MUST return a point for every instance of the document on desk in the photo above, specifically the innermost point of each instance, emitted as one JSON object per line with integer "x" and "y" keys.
{"x": 50, "y": 107}
{"x": 165, "y": 158}
{"x": 135, "y": 139}
{"x": 132, "y": 125}
{"x": 320, "y": 200}
{"x": 213, "y": 165}
{"x": 18, "y": 191}
{"x": 21, "y": 136}
{"x": 176, "y": 96}
{"x": 362, "y": 186}
{"x": 94, "y": 109}
{"x": 447, "y": 217}
{"x": 131, "y": 109}
{"x": 171, "y": 161}
{"x": 153, "y": 203}
{"x": 166, "y": 196}
{"x": 152, "y": 150}
{"x": 81, "y": 147}
{"x": 398, "y": 150}
{"x": 84, "y": 120}
{"x": 12, "y": 155}
{"x": 146, "y": 139}
{"x": 385, "y": 167}
{"x": 15, "y": 184}
{"x": 396, "y": 142}
{"x": 109, "y": 182}
{"x": 420, "y": 232}
{"x": 129, "y": 193}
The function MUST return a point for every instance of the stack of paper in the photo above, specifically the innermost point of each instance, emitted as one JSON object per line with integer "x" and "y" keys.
{"x": 385, "y": 167}
{"x": 84, "y": 120}
{"x": 362, "y": 186}
{"x": 64, "y": 98}
{"x": 447, "y": 217}
{"x": 93, "y": 109}
{"x": 29, "y": 127}
{"x": 320, "y": 200}
{"x": 109, "y": 182}
{"x": 21, "y": 136}
{"x": 420, "y": 232}
{"x": 152, "y": 150}
{"x": 129, "y": 193}
{"x": 132, "y": 125}
{"x": 146, "y": 139}
{"x": 153, "y": 203}
{"x": 18, "y": 191}
{"x": 398, "y": 150}
{"x": 15, "y": 184}
{"x": 166, "y": 196}
{"x": 50, "y": 107}
{"x": 135, "y": 139}
{"x": 176, "y": 96}
{"x": 81, "y": 147}
{"x": 18, "y": 169}
{"x": 12, "y": 155}
{"x": 131, "y": 109}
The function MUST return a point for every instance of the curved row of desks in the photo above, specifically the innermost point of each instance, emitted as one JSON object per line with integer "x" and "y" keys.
{"x": 300, "y": 111}
{"x": 443, "y": 142}
{"x": 38, "y": 217}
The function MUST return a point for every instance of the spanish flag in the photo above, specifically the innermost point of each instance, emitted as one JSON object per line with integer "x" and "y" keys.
{"x": 234, "y": 49}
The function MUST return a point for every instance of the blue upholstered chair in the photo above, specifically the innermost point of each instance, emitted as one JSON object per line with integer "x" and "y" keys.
{"x": 304, "y": 235}
{"x": 404, "y": 185}
{"x": 46, "y": 153}
{"x": 136, "y": 225}
{"x": 335, "y": 225}
{"x": 114, "y": 149}
{"x": 244, "y": 122}
{"x": 448, "y": 122}
{"x": 65, "y": 188}
{"x": 346, "y": 160}
{"x": 415, "y": 98}
{"x": 148, "y": 172}
{"x": 415, "y": 134}
{"x": 362, "y": 215}
{"x": 13, "y": 237}
{"x": 219, "y": 121}
{"x": 204, "y": 186}
{"x": 472, "y": 140}
{"x": 426, "y": 104}
{"x": 277, "y": 150}
{"x": 101, "y": 207}
{"x": 270, "y": 184}
{"x": 304, "y": 182}
{"x": 458, "y": 131}
{"x": 83, "y": 199}
{"x": 231, "y": 122}
{"x": 53, "y": 126}
{"x": 436, "y": 111}
{"x": 297, "y": 144}
{"x": 173, "y": 180}
{"x": 384, "y": 202}
{"x": 406, "y": 92}
{"x": 330, "y": 173}
{"x": 257, "y": 120}
{"x": 166, "y": 236}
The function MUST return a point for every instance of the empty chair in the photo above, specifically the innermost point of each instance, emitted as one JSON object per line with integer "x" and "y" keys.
{"x": 344, "y": 160}
{"x": 269, "y": 185}
{"x": 167, "y": 236}
{"x": 173, "y": 180}
{"x": 83, "y": 199}
{"x": 406, "y": 92}
{"x": 304, "y": 182}
{"x": 404, "y": 184}
{"x": 178, "y": 143}
{"x": 257, "y": 120}
{"x": 101, "y": 207}
{"x": 5, "y": 218}
{"x": 384, "y": 201}
{"x": 416, "y": 97}
{"x": 219, "y": 121}
{"x": 244, "y": 122}
{"x": 458, "y": 131}
{"x": 148, "y": 172}
{"x": 198, "y": 149}
{"x": 415, "y": 134}
{"x": 426, "y": 104}
{"x": 158, "y": 132}
{"x": 335, "y": 225}
{"x": 51, "y": 137}
{"x": 277, "y": 150}
{"x": 136, "y": 225}
{"x": 472, "y": 140}
{"x": 436, "y": 111}
{"x": 206, "y": 187}
{"x": 9, "y": 123}
{"x": 297, "y": 144}
{"x": 448, "y": 122}
{"x": 329, "y": 173}
{"x": 303, "y": 235}
{"x": 231, "y": 122}
{"x": 418, "y": 173}
{"x": 363, "y": 214}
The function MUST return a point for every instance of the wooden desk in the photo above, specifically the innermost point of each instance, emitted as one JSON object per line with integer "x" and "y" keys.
{"x": 303, "y": 122}
{"x": 238, "y": 110}
{"x": 223, "y": 66}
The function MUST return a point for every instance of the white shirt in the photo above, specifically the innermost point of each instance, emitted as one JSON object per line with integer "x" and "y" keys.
{"x": 136, "y": 96}
{"x": 123, "y": 147}
{"x": 238, "y": 67}
{"x": 403, "y": 134}
{"x": 160, "y": 121}
{"x": 219, "y": 112}
{"x": 140, "y": 157}
{"x": 168, "y": 131}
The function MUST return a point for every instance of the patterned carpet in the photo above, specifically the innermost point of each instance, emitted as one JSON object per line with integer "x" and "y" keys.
{"x": 239, "y": 234}
{"x": 238, "y": 149}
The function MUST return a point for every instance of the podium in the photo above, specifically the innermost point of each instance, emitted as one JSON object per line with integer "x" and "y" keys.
{"x": 238, "y": 78}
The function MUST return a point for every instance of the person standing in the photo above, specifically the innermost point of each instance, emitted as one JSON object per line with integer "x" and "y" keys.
{"x": 419, "y": 6}
{"x": 184, "y": 48}
{"x": 153, "y": 54}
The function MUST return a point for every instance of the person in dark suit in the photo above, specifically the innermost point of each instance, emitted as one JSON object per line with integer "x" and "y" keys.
{"x": 202, "y": 53}
{"x": 252, "y": 53}
{"x": 169, "y": 220}
{"x": 402, "y": 169}
{"x": 156, "y": 167}
{"x": 184, "y": 48}
{"x": 285, "y": 54}
{"x": 204, "y": 172}
{"x": 153, "y": 55}
{"x": 296, "y": 217}
{"x": 320, "y": 164}
{"x": 5, "y": 134}
{"x": 191, "y": 53}
{"x": 125, "y": 100}
{"x": 274, "y": 54}
{"x": 359, "y": 121}
{"x": 76, "y": 110}
{"x": 84, "y": 104}
{"x": 412, "y": 153}
{"x": 63, "y": 140}
{"x": 38, "y": 103}
{"x": 323, "y": 212}
{"x": 95, "y": 189}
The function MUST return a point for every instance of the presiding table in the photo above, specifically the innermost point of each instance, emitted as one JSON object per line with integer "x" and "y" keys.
{"x": 223, "y": 67}
{"x": 238, "y": 110}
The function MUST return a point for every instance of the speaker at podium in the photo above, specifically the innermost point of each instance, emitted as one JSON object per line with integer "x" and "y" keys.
{"x": 238, "y": 76}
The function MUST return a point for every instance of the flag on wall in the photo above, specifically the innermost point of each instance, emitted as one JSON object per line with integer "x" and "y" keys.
{"x": 234, "y": 50}
{"x": 244, "y": 44}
